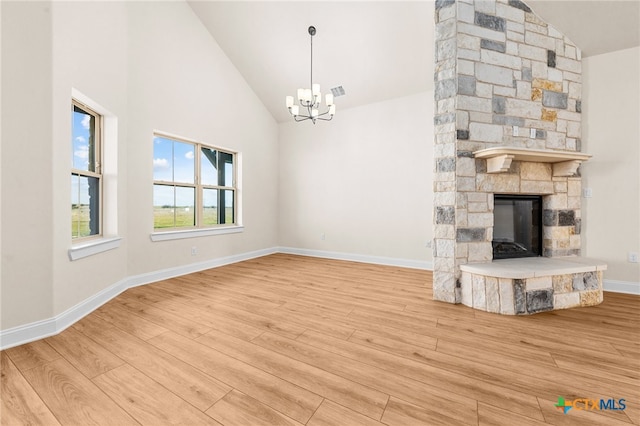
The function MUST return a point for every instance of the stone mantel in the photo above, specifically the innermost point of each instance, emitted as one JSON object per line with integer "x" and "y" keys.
{"x": 565, "y": 163}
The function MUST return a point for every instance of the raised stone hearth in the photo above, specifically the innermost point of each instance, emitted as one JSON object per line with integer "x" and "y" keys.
{"x": 532, "y": 285}
{"x": 508, "y": 106}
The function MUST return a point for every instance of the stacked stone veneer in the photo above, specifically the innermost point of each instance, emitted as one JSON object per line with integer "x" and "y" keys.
{"x": 531, "y": 295}
{"x": 503, "y": 77}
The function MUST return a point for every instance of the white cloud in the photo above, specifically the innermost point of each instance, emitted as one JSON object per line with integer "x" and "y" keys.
{"x": 82, "y": 152}
{"x": 160, "y": 163}
{"x": 81, "y": 139}
{"x": 189, "y": 155}
{"x": 86, "y": 121}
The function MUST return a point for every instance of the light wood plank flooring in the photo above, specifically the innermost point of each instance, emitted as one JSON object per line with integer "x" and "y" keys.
{"x": 292, "y": 340}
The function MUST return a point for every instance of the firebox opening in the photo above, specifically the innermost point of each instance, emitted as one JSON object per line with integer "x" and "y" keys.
{"x": 517, "y": 226}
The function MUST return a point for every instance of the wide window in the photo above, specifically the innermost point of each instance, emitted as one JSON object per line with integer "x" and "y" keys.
{"x": 194, "y": 185}
{"x": 86, "y": 172}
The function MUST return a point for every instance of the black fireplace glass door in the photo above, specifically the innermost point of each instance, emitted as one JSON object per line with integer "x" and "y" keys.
{"x": 517, "y": 226}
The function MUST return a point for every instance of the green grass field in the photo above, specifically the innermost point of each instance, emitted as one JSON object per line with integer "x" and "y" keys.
{"x": 80, "y": 221}
{"x": 163, "y": 217}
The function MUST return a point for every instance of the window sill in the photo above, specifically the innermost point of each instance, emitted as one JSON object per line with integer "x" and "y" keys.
{"x": 90, "y": 248}
{"x": 194, "y": 233}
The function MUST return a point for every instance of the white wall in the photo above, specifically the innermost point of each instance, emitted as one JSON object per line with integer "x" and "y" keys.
{"x": 182, "y": 83}
{"x": 89, "y": 45}
{"x": 27, "y": 263}
{"x": 154, "y": 66}
{"x": 611, "y": 133}
{"x": 364, "y": 180}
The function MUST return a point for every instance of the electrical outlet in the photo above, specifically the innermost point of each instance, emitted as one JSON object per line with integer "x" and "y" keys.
{"x": 587, "y": 193}
{"x": 323, "y": 236}
{"x": 194, "y": 251}
{"x": 428, "y": 244}
{"x": 532, "y": 133}
{"x": 516, "y": 131}
{"x": 633, "y": 257}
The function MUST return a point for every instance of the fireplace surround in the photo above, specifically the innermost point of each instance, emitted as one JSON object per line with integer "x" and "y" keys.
{"x": 507, "y": 122}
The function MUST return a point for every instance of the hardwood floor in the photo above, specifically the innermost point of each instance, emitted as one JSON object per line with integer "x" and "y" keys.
{"x": 292, "y": 340}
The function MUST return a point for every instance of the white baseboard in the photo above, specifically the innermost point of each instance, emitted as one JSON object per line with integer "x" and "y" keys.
{"x": 84, "y": 308}
{"x": 378, "y": 260}
{"x": 627, "y": 287}
{"x": 52, "y": 326}
{"x": 164, "y": 274}
{"x": 27, "y": 333}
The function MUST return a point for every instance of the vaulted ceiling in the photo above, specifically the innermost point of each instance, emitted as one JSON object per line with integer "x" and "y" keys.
{"x": 376, "y": 50}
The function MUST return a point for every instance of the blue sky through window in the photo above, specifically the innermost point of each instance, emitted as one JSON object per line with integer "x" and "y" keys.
{"x": 208, "y": 172}
{"x": 81, "y": 135}
{"x": 173, "y": 161}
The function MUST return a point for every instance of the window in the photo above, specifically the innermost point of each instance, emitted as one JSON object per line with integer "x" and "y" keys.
{"x": 86, "y": 173}
{"x": 194, "y": 185}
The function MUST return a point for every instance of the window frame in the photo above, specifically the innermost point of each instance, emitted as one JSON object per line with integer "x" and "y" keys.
{"x": 200, "y": 229}
{"x": 98, "y": 160}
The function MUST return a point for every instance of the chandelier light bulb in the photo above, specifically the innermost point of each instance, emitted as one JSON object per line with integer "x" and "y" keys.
{"x": 329, "y": 99}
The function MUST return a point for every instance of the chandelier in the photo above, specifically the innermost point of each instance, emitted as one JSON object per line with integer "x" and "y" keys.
{"x": 310, "y": 99}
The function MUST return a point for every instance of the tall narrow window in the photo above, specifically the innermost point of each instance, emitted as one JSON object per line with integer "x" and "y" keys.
{"x": 194, "y": 185}
{"x": 86, "y": 172}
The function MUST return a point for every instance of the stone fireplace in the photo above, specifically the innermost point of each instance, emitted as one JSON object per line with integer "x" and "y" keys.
{"x": 508, "y": 122}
